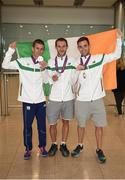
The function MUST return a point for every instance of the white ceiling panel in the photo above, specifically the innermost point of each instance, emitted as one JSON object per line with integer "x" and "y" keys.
{"x": 64, "y": 3}
{"x": 58, "y": 2}
{"x": 98, "y": 3}
{"x": 18, "y": 2}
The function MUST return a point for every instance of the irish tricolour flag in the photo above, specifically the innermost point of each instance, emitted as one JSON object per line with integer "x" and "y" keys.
{"x": 101, "y": 43}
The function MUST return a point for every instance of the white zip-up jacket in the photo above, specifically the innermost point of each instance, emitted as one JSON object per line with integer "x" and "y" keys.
{"x": 90, "y": 81}
{"x": 30, "y": 75}
{"x": 61, "y": 90}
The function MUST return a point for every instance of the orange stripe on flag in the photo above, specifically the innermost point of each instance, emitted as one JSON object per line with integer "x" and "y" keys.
{"x": 105, "y": 43}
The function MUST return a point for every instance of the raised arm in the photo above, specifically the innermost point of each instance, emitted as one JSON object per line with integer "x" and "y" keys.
{"x": 117, "y": 53}
{"x": 7, "y": 63}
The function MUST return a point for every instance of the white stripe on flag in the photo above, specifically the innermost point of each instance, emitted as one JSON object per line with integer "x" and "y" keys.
{"x": 72, "y": 49}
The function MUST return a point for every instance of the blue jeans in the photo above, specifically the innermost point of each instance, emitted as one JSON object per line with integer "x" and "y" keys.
{"x": 30, "y": 111}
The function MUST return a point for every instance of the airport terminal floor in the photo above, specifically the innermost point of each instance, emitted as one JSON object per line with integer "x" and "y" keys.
{"x": 13, "y": 165}
{"x": 23, "y": 21}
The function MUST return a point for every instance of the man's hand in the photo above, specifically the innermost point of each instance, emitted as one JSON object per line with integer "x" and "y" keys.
{"x": 55, "y": 77}
{"x": 80, "y": 67}
{"x": 13, "y": 45}
{"x": 119, "y": 33}
{"x": 43, "y": 65}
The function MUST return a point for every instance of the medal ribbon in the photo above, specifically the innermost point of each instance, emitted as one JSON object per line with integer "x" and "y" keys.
{"x": 34, "y": 60}
{"x": 63, "y": 67}
{"x": 87, "y": 61}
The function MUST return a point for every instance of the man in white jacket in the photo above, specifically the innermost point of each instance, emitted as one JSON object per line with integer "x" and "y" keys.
{"x": 31, "y": 93}
{"x": 90, "y": 92}
{"x": 61, "y": 99}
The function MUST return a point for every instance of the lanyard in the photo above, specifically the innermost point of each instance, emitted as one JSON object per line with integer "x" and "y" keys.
{"x": 63, "y": 67}
{"x": 34, "y": 60}
{"x": 87, "y": 61}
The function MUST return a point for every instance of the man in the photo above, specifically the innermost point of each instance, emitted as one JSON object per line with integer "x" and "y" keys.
{"x": 61, "y": 99}
{"x": 91, "y": 92}
{"x": 31, "y": 93}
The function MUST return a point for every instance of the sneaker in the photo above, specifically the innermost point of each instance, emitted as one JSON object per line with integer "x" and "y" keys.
{"x": 43, "y": 152}
{"x": 27, "y": 155}
{"x": 64, "y": 150}
{"x": 76, "y": 152}
{"x": 53, "y": 149}
{"x": 101, "y": 156}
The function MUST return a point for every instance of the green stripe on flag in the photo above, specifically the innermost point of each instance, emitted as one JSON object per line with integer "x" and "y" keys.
{"x": 24, "y": 49}
{"x": 47, "y": 89}
{"x": 46, "y": 54}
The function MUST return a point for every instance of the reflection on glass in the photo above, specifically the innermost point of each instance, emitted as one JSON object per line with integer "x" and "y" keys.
{"x": 29, "y": 32}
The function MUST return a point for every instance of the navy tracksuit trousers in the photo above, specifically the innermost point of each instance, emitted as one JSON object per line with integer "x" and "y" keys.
{"x": 30, "y": 111}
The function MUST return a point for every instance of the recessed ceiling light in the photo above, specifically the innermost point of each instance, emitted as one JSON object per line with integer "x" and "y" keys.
{"x": 29, "y": 33}
{"x": 68, "y": 26}
{"x": 21, "y": 26}
{"x": 67, "y": 30}
{"x": 91, "y": 27}
{"x": 83, "y": 33}
{"x": 47, "y": 30}
{"x": 46, "y": 26}
{"x": 112, "y": 27}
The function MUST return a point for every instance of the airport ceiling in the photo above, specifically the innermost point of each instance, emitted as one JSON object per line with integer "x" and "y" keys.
{"x": 60, "y": 3}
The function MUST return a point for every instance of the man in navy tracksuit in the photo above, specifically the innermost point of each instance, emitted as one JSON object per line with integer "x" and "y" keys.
{"x": 31, "y": 94}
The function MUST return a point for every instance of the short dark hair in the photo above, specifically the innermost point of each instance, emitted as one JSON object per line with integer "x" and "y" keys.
{"x": 83, "y": 39}
{"x": 61, "y": 39}
{"x": 39, "y": 41}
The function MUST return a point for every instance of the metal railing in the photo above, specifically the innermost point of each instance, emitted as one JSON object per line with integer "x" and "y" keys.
{"x": 4, "y": 91}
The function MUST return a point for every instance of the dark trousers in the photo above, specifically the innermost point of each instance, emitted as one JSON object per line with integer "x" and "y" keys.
{"x": 30, "y": 111}
{"x": 119, "y": 97}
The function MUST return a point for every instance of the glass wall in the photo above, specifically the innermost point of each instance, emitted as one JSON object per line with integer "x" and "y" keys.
{"x": 29, "y": 32}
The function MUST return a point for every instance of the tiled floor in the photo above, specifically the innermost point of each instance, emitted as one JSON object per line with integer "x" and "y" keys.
{"x": 13, "y": 166}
